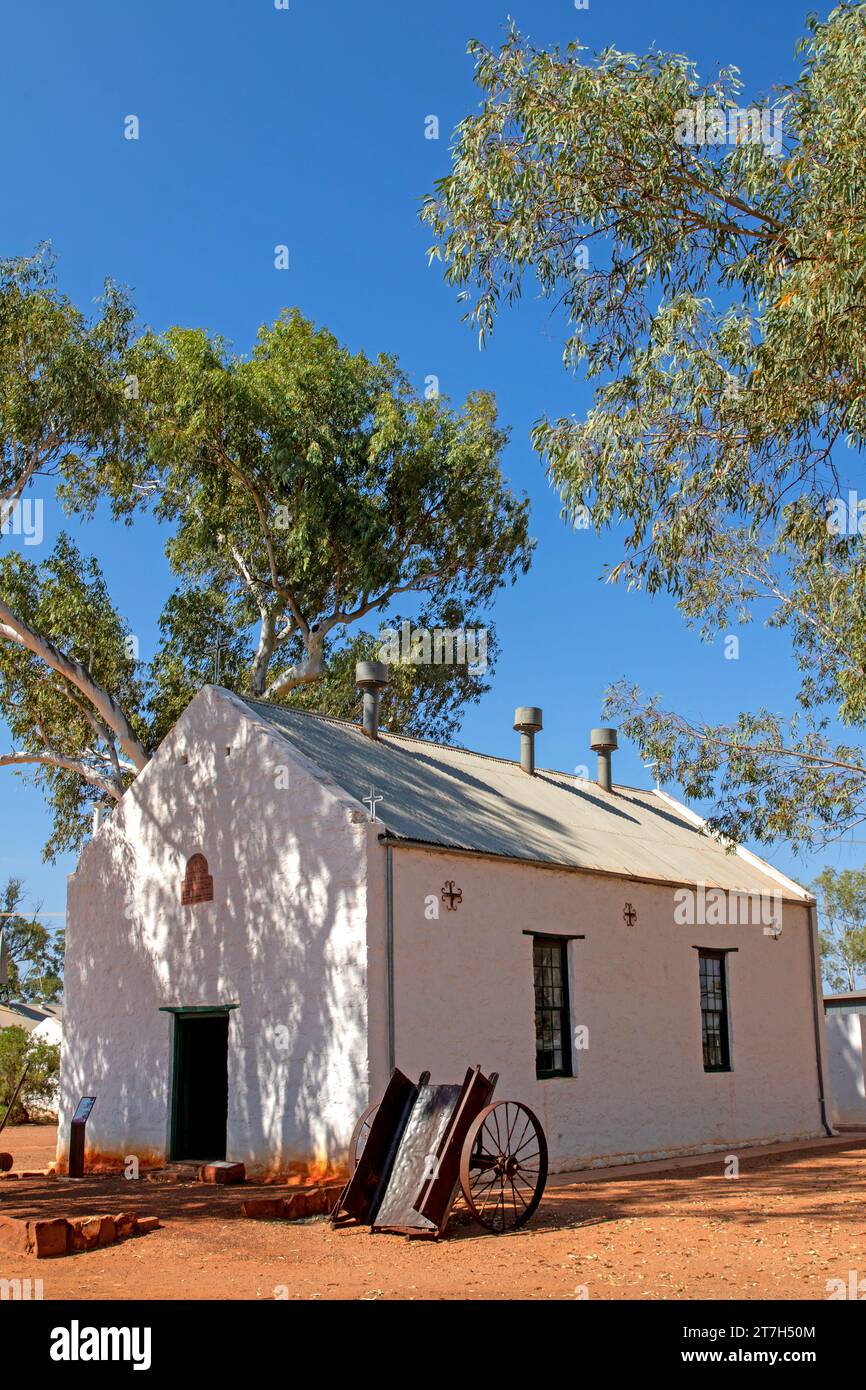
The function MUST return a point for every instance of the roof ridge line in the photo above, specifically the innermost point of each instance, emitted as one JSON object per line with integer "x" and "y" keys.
{"x": 430, "y": 742}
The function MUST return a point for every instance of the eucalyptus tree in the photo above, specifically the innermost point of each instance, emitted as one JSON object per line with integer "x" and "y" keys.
{"x": 841, "y": 898}
{"x": 308, "y": 489}
{"x": 305, "y": 490}
{"x": 704, "y": 253}
{"x": 32, "y": 953}
{"x": 69, "y": 690}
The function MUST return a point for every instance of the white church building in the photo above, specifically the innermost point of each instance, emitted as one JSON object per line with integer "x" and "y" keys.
{"x": 250, "y": 951}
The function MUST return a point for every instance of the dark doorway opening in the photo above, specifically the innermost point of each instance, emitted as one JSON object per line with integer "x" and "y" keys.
{"x": 200, "y": 1086}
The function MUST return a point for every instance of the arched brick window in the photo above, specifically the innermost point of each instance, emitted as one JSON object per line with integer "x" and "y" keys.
{"x": 197, "y": 886}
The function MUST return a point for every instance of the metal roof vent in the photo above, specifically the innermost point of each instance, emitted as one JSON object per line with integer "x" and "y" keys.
{"x": 603, "y": 742}
{"x": 371, "y": 677}
{"x": 527, "y": 722}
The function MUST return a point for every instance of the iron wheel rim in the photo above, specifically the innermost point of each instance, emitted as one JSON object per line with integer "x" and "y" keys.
{"x": 503, "y": 1166}
{"x": 360, "y": 1135}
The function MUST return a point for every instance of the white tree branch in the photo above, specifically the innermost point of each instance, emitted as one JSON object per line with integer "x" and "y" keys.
{"x": 22, "y": 472}
{"x": 312, "y": 668}
{"x": 309, "y": 670}
{"x": 14, "y": 629}
{"x": 102, "y": 731}
{"x": 89, "y": 774}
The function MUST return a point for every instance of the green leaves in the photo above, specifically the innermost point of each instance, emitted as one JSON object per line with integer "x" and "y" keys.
{"x": 35, "y": 953}
{"x": 308, "y": 487}
{"x": 18, "y": 1049}
{"x": 55, "y": 727}
{"x": 427, "y": 700}
{"x": 767, "y": 778}
{"x": 305, "y": 488}
{"x": 573, "y": 171}
{"x": 63, "y": 403}
{"x": 715, "y": 289}
{"x": 569, "y": 154}
{"x": 841, "y": 898}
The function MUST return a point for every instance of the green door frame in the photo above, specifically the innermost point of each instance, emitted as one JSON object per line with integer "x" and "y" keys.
{"x": 185, "y": 1011}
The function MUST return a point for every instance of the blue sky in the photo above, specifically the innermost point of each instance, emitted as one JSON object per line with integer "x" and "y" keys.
{"x": 305, "y": 127}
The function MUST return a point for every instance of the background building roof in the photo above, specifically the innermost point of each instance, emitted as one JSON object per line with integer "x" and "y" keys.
{"x": 18, "y": 1014}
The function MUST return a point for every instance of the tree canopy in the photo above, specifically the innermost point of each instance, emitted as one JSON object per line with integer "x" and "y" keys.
{"x": 841, "y": 897}
{"x": 710, "y": 282}
{"x": 19, "y": 1049}
{"x": 306, "y": 490}
{"x": 33, "y": 955}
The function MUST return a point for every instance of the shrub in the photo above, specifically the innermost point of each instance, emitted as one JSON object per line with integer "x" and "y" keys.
{"x": 17, "y": 1049}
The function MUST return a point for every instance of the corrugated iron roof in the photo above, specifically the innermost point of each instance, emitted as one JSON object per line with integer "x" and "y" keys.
{"x": 453, "y": 797}
{"x": 27, "y": 1015}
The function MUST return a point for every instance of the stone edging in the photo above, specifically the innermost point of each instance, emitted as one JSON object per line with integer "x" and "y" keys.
{"x": 65, "y": 1235}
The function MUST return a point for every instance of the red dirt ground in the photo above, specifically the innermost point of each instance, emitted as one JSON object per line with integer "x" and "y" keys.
{"x": 32, "y": 1146}
{"x": 790, "y": 1222}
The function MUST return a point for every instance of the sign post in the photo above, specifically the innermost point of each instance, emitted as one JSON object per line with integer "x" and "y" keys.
{"x": 76, "y": 1138}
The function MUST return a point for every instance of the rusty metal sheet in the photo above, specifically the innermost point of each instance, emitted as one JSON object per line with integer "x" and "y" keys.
{"x": 408, "y": 1171}
{"x": 416, "y": 1159}
{"x": 440, "y": 1186}
{"x": 363, "y": 1191}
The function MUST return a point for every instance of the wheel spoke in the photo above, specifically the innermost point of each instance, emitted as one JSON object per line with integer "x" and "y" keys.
{"x": 493, "y": 1140}
{"x": 490, "y": 1188}
{"x": 530, "y": 1178}
{"x": 525, "y": 1142}
{"x": 496, "y": 1206}
{"x": 484, "y": 1181}
{"x": 526, "y": 1126}
{"x": 508, "y": 1147}
{"x": 520, "y": 1194}
{"x": 496, "y": 1122}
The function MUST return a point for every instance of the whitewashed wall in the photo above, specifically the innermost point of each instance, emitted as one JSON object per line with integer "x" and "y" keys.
{"x": 284, "y": 938}
{"x": 464, "y": 990}
{"x": 846, "y": 1059}
{"x": 295, "y": 937}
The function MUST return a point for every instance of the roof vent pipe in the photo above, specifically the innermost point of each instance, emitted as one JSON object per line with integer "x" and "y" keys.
{"x": 527, "y": 722}
{"x": 603, "y": 742}
{"x": 371, "y": 677}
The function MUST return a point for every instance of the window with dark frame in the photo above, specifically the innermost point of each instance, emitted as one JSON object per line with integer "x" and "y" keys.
{"x": 552, "y": 1027}
{"x": 714, "y": 1011}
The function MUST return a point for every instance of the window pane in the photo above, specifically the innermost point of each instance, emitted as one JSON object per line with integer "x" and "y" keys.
{"x": 714, "y": 1011}
{"x": 552, "y": 1030}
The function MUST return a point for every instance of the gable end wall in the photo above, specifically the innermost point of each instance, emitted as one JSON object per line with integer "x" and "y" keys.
{"x": 283, "y": 939}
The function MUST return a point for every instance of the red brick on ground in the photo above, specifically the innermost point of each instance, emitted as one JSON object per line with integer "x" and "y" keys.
{"x": 125, "y": 1223}
{"x": 223, "y": 1173}
{"x": 264, "y": 1208}
{"x": 49, "y": 1237}
{"x": 14, "y": 1235}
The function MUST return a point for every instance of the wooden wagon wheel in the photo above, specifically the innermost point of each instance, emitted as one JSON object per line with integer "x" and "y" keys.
{"x": 503, "y": 1165}
{"x": 359, "y": 1136}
